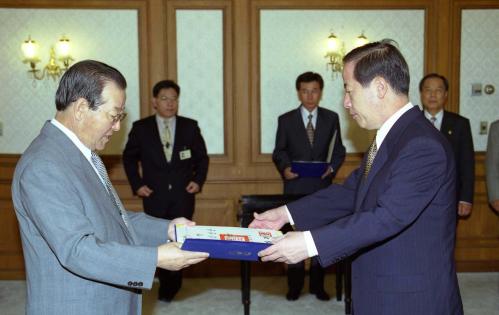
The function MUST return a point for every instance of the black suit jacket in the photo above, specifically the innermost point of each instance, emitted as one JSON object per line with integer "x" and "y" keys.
{"x": 167, "y": 180}
{"x": 457, "y": 130}
{"x": 292, "y": 145}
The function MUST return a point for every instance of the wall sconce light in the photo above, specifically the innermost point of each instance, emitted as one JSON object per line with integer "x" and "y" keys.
{"x": 52, "y": 69}
{"x": 336, "y": 51}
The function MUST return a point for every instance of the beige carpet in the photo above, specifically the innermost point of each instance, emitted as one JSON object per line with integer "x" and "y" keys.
{"x": 220, "y": 296}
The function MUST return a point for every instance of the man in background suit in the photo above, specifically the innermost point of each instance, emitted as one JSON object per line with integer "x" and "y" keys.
{"x": 492, "y": 165}
{"x": 433, "y": 89}
{"x": 84, "y": 253}
{"x": 306, "y": 134}
{"x": 174, "y": 162}
{"x": 395, "y": 215}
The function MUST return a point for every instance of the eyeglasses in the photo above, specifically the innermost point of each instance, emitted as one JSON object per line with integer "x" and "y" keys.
{"x": 118, "y": 117}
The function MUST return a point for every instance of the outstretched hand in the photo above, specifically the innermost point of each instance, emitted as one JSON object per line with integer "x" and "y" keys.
{"x": 290, "y": 249}
{"x": 171, "y": 227}
{"x": 271, "y": 219}
{"x": 171, "y": 257}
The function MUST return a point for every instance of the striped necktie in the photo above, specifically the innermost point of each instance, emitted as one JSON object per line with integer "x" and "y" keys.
{"x": 433, "y": 120}
{"x": 101, "y": 168}
{"x": 310, "y": 130}
{"x": 371, "y": 154}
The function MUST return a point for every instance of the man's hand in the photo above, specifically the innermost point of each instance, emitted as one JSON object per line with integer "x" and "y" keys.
{"x": 272, "y": 219}
{"x": 171, "y": 227}
{"x": 192, "y": 188}
{"x": 327, "y": 172}
{"x": 288, "y": 174}
{"x": 464, "y": 209}
{"x": 171, "y": 257}
{"x": 144, "y": 191}
{"x": 290, "y": 249}
{"x": 495, "y": 205}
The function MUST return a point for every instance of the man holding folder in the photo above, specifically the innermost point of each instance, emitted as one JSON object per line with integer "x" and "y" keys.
{"x": 305, "y": 137}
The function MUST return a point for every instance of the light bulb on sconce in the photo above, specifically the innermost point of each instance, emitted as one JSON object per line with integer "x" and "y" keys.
{"x": 336, "y": 52}
{"x": 62, "y": 52}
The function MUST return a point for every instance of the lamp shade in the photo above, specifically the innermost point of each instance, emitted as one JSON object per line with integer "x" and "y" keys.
{"x": 333, "y": 44}
{"x": 30, "y": 49}
{"x": 63, "y": 48}
{"x": 361, "y": 40}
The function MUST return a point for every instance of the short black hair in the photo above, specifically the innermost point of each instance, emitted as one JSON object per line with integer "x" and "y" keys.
{"x": 86, "y": 79}
{"x": 309, "y": 77}
{"x": 165, "y": 84}
{"x": 434, "y": 75}
{"x": 381, "y": 59}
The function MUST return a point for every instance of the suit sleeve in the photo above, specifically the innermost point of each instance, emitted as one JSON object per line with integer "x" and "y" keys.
{"x": 200, "y": 157}
{"x": 416, "y": 176}
{"x": 151, "y": 231}
{"x": 280, "y": 155}
{"x": 339, "y": 151}
{"x": 58, "y": 214}
{"x": 466, "y": 165}
{"x": 131, "y": 159}
{"x": 492, "y": 162}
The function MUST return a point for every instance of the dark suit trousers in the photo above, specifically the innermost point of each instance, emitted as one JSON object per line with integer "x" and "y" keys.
{"x": 178, "y": 205}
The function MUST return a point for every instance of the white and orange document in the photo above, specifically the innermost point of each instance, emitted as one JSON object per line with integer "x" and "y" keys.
{"x": 225, "y": 242}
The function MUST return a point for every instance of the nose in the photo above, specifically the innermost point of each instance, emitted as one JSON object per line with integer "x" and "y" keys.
{"x": 116, "y": 126}
{"x": 347, "y": 103}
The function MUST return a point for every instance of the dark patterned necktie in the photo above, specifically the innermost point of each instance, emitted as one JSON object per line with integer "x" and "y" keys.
{"x": 310, "y": 130}
{"x": 101, "y": 168}
{"x": 371, "y": 154}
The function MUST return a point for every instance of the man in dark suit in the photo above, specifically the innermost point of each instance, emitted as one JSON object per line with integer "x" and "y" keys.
{"x": 174, "y": 163}
{"x": 395, "y": 215}
{"x": 307, "y": 134}
{"x": 433, "y": 89}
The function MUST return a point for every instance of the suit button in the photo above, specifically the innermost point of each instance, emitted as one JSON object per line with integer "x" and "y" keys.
{"x": 169, "y": 187}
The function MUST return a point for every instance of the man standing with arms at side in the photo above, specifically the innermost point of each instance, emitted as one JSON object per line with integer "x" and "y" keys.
{"x": 434, "y": 89}
{"x": 174, "y": 162}
{"x": 492, "y": 165}
{"x": 84, "y": 253}
{"x": 395, "y": 215}
{"x": 306, "y": 134}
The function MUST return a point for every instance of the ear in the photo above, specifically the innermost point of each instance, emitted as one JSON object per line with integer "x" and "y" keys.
{"x": 381, "y": 86}
{"x": 80, "y": 108}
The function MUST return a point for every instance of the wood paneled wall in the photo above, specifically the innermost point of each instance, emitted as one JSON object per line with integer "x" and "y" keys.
{"x": 242, "y": 169}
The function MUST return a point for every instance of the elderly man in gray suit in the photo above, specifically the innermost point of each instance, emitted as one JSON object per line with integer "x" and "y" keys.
{"x": 492, "y": 165}
{"x": 84, "y": 253}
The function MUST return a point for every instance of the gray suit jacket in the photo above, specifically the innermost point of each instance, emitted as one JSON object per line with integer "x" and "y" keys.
{"x": 492, "y": 161}
{"x": 80, "y": 258}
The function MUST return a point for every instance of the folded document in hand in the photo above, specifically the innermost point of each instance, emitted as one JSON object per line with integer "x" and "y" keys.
{"x": 225, "y": 242}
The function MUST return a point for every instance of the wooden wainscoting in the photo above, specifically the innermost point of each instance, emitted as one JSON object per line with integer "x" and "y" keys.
{"x": 218, "y": 204}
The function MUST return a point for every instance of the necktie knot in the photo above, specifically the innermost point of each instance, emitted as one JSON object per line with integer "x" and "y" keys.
{"x": 433, "y": 119}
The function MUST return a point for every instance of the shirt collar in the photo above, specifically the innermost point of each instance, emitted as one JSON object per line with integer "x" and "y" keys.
{"x": 74, "y": 138}
{"x": 388, "y": 124}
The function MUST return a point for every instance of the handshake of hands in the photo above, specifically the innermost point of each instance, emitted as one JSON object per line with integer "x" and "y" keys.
{"x": 290, "y": 248}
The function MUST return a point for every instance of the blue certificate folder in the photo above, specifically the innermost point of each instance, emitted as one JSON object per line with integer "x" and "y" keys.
{"x": 232, "y": 250}
{"x": 234, "y": 243}
{"x": 309, "y": 168}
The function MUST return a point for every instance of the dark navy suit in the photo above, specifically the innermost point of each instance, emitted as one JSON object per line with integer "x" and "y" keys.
{"x": 398, "y": 225}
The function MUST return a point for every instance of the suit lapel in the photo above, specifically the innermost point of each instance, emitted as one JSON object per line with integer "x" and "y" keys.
{"x": 82, "y": 166}
{"x": 156, "y": 141}
{"x": 319, "y": 132}
{"x": 447, "y": 125}
{"x": 383, "y": 153}
{"x": 302, "y": 131}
